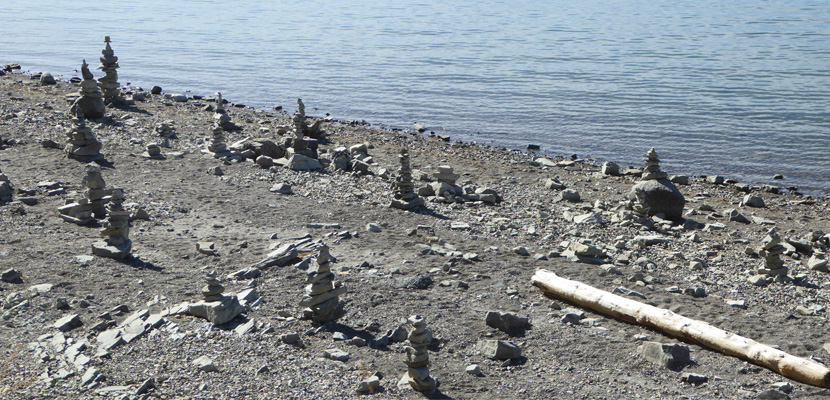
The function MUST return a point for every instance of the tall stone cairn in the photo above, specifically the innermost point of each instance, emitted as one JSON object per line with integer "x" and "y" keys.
{"x": 771, "y": 250}
{"x": 217, "y": 144}
{"x": 299, "y": 127}
{"x": 221, "y": 117}
{"x": 80, "y": 141}
{"x": 91, "y": 102}
{"x": 652, "y": 170}
{"x": 405, "y": 197}
{"x": 95, "y": 189}
{"x": 322, "y": 294}
{"x": 213, "y": 289}
{"x": 109, "y": 65}
{"x": 417, "y": 356}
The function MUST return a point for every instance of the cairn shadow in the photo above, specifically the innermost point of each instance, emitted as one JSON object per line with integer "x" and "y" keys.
{"x": 431, "y": 213}
{"x": 137, "y": 262}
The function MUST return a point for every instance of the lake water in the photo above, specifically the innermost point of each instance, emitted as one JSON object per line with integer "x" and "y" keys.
{"x": 737, "y": 88}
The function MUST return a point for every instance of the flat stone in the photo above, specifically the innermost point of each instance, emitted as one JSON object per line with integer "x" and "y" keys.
{"x": 336, "y": 354}
{"x": 772, "y": 394}
{"x": 11, "y": 276}
{"x": 204, "y": 363}
{"x": 666, "y": 355}
{"x": 474, "y": 370}
{"x": 695, "y": 379}
{"x": 68, "y": 323}
{"x": 499, "y": 349}
{"x": 506, "y": 322}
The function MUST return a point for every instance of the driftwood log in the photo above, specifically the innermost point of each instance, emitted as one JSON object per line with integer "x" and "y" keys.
{"x": 796, "y": 368}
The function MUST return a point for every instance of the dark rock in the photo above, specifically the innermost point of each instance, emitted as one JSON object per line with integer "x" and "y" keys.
{"x": 155, "y": 90}
{"x": 506, "y": 322}
{"x": 415, "y": 282}
{"x": 68, "y": 323}
{"x": 92, "y": 107}
{"x": 11, "y": 276}
{"x": 659, "y": 196}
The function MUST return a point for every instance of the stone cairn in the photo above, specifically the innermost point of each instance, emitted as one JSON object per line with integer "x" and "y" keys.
{"x": 221, "y": 118}
{"x": 81, "y": 142}
{"x": 417, "y": 356}
{"x": 81, "y": 212}
{"x": 652, "y": 170}
{"x": 299, "y": 143}
{"x": 153, "y": 151}
{"x": 322, "y": 295}
{"x": 771, "y": 250}
{"x": 109, "y": 65}
{"x": 446, "y": 175}
{"x": 215, "y": 306}
{"x": 116, "y": 230}
{"x": 5, "y": 188}
{"x": 217, "y": 145}
{"x": 90, "y": 102}
{"x": 405, "y": 197}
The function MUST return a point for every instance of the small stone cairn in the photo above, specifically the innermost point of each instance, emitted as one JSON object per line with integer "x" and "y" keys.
{"x": 153, "y": 151}
{"x": 90, "y": 102}
{"x": 405, "y": 197}
{"x": 221, "y": 117}
{"x": 109, "y": 65}
{"x": 417, "y": 356}
{"x": 299, "y": 143}
{"x": 95, "y": 189}
{"x": 116, "y": 230}
{"x": 5, "y": 188}
{"x": 81, "y": 142}
{"x": 215, "y": 306}
{"x": 446, "y": 175}
{"x": 652, "y": 170}
{"x": 771, "y": 250}
{"x": 322, "y": 295}
{"x": 217, "y": 145}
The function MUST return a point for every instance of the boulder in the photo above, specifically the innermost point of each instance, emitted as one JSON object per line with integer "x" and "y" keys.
{"x": 299, "y": 162}
{"x": 667, "y": 355}
{"x": 610, "y": 168}
{"x": 752, "y": 200}
{"x": 92, "y": 107}
{"x": 659, "y": 196}
{"x": 47, "y": 79}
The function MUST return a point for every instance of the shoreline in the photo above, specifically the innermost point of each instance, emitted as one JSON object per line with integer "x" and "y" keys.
{"x": 478, "y": 257}
{"x": 817, "y": 192}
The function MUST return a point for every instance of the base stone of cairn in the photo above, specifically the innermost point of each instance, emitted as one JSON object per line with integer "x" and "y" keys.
{"x": 116, "y": 230}
{"x": 405, "y": 197}
{"x": 771, "y": 250}
{"x": 322, "y": 294}
{"x": 91, "y": 101}
{"x": 417, "y": 357}
{"x": 214, "y": 306}
{"x": 85, "y": 210}
{"x": 81, "y": 142}
{"x": 153, "y": 151}
{"x": 221, "y": 117}
{"x": 109, "y": 82}
{"x": 655, "y": 193}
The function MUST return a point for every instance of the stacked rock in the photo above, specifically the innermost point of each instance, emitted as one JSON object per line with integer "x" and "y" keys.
{"x": 215, "y": 306}
{"x": 116, "y": 230}
{"x": 165, "y": 130}
{"x": 322, "y": 295}
{"x": 221, "y": 117}
{"x": 446, "y": 175}
{"x": 81, "y": 212}
{"x": 299, "y": 142}
{"x": 81, "y": 142}
{"x": 109, "y": 65}
{"x": 405, "y": 197}
{"x": 91, "y": 102}
{"x": 652, "y": 170}
{"x": 771, "y": 250}
{"x": 153, "y": 151}
{"x": 217, "y": 145}
{"x": 417, "y": 356}
{"x": 5, "y": 189}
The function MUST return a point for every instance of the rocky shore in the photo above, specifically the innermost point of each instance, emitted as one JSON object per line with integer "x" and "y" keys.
{"x": 319, "y": 287}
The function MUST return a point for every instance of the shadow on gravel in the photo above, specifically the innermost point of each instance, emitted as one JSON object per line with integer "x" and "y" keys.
{"x": 136, "y": 262}
{"x": 432, "y": 213}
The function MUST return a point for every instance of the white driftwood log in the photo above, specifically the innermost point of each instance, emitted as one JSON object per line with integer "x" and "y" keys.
{"x": 668, "y": 322}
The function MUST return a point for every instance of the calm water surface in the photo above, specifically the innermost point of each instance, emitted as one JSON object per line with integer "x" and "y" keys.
{"x": 737, "y": 88}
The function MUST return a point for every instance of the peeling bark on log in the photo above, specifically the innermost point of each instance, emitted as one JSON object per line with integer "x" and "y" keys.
{"x": 672, "y": 324}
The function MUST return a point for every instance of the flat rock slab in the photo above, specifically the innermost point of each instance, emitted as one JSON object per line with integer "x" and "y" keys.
{"x": 336, "y": 354}
{"x": 667, "y": 355}
{"x": 499, "y": 349}
{"x": 68, "y": 323}
{"x": 204, "y": 363}
{"x": 506, "y": 322}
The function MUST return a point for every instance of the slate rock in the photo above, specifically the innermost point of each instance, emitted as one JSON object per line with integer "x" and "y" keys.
{"x": 506, "y": 322}
{"x": 415, "y": 282}
{"x": 772, "y": 394}
{"x": 204, "y": 363}
{"x": 336, "y": 355}
{"x": 68, "y": 323}
{"x": 11, "y": 276}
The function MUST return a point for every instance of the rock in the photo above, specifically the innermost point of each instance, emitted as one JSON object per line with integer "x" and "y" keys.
{"x": 68, "y": 323}
{"x": 279, "y": 257}
{"x": 715, "y": 179}
{"x": 299, "y": 162}
{"x": 752, "y": 200}
{"x": 372, "y": 227}
{"x": 245, "y": 273}
{"x": 499, "y": 349}
{"x": 737, "y": 216}
{"x": 47, "y": 79}
{"x": 659, "y": 196}
{"x": 679, "y": 179}
{"x": 506, "y": 322}
{"x": 474, "y": 370}
{"x": 554, "y": 184}
{"x": 92, "y": 107}
{"x": 11, "y": 276}
{"x": 415, "y": 282}
{"x": 694, "y": 379}
{"x": 91, "y": 375}
{"x": 281, "y": 188}
{"x": 369, "y": 385}
{"x": 208, "y": 248}
{"x": 667, "y": 355}
{"x": 146, "y": 386}
{"x": 815, "y": 263}
{"x": 336, "y": 355}
{"x": 569, "y": 195}
{"x": 759, "y": 280}
{"x": 290, "y": 338}
{"x": 772, "y": 394}
{"x": 265, "y": 161}
{"x": 610, "y": 168}
{"x": 737, "y": 303}
{"x": 397, "y": 335}
{"x": 521, "y": 251}
{"x": 785, "y": 387}
{"x": 177, "y": 97}
{"x": 204, "y": 363}
{"x": 155, "y": 90}
{"x": 215, "y": 171}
